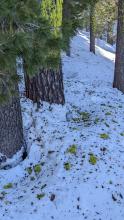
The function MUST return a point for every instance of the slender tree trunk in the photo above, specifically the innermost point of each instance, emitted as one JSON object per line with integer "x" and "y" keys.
{"x": 119, "y": 63}
{"x": 11, "y": 131}
{"x": 67, "y": 16}
{"x": 92, "y": 28}
{"x": 110, "y": 33}
{"x": 46, "y": 86}
{"x": 87, "y": 26}
{"x": 68, "y": 52}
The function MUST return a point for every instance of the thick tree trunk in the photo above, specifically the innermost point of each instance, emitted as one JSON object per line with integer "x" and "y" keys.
{"x": 11, "y": 132}
{"x": 46, "y": 86}
{"x": 92, "y": 28}
{"x": 119, "y": 63}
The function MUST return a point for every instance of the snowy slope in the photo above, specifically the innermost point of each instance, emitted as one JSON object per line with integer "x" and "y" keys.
{"x": 93, "y": 121}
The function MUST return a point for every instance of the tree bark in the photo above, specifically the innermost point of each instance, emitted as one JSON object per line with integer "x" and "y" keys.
{"x": 92, "y": 28}
{"x": 46, "y": 86}
{"x": 11, "y": 131}
{"x": 119, "y": 62}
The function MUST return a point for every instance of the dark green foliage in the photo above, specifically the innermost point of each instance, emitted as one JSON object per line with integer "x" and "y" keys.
{"x": 24, "y": 33}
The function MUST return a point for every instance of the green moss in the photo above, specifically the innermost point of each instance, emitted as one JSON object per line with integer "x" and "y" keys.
{"x": 40, "y": 196}
{"x": 8, "y": 186}
{"x": 29, "y": 170}
{"x": 93, "y": 159}
{"x": 104, "y": 136}
{"x": 67, "y": 166}
{"x": 108, "y": 113}
{"x": 72, "y": 149}
{"x": 37, "y": 168}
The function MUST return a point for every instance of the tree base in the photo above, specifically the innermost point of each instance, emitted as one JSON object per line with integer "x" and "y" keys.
{"x": 46, "y": 86}
{"x": 11, "y": 131}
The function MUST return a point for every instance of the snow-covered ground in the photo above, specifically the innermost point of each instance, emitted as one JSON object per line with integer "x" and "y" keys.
{"x": 75, "y": 166}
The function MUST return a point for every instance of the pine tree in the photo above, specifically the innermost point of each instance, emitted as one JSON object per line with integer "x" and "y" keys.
{"x": 48, "y": 84}
{"x": 18, "y": 19}
{"x": 106, "y": 16}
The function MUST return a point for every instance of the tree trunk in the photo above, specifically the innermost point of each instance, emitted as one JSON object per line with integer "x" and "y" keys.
{"x": 119, "y": 63}
{"x": 68, "y": 52}
{"x": 66, "y": 18}
{"x": 11, "y": 132}
{"x": 110, "y": 33}
{"x": 46, "y": 86}
{"x": 92, "y": 28}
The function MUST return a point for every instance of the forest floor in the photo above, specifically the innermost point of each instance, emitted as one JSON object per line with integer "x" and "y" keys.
{"x": 75, "y": 166}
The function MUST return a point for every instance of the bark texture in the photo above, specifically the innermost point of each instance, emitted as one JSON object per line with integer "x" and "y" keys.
{"x": 119, "y": 63}
{"x": 92, "y": 28}
{"x": 11, "y": 131}
{"x": 46, "y": 86}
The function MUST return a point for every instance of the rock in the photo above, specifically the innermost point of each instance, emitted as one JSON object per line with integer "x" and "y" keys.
{"x": 69, "y": 116}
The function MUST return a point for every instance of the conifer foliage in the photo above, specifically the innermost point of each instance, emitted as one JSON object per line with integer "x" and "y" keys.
{"x": 23, "y": 33}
